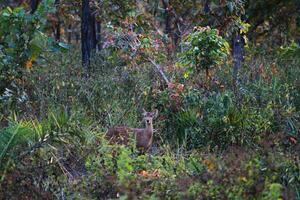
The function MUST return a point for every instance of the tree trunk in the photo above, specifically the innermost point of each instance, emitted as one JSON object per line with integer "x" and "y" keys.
{"x": 57, "y": 28}
{"x": 93, "y": 32}
{"x": 69, "y": 37}
{"x": 34, "y": 5}
{"x": 206, "y": 8}
{"x": 298, "y": 22}
{"x": 237, "y": 53}
{"x": 166, "y": 6}
{"x": 168, "y": 29}
{"x": 98, "y": 35}
{"x": 85, "y": 36}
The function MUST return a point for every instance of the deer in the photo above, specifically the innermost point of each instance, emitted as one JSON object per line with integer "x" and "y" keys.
{"x": 143, "y": 136}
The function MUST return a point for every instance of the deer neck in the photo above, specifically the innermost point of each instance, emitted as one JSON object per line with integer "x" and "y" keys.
{"x": 149, "y": 129}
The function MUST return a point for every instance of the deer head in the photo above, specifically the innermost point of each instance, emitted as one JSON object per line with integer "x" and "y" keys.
{"x": 148, "y": 117}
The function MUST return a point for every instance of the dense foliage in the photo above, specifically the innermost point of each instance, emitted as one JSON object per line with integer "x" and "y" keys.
{"x": 223, "y": 76}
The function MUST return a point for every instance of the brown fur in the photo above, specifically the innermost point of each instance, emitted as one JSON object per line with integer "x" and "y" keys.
{"x": 143, "y": 136}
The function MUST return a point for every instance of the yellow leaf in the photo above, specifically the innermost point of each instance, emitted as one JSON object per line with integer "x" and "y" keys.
{"x": 28, "y": 64}
{"x": 186, "y": 75}
{"x": 243, "y": 178}
{"x": 210, "y": 165}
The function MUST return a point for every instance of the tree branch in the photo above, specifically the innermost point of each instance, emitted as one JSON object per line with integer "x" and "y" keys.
{"x": 159, "y": 70}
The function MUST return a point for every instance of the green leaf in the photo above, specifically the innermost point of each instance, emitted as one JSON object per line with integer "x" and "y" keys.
{"x": 9, "y": 9}
{"x": 5, "y": 13}
{"x": 64, "y": 45}
{"x": 38, "y": 43}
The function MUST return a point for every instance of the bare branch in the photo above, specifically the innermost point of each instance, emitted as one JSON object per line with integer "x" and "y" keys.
{"x": 159, "y": 70}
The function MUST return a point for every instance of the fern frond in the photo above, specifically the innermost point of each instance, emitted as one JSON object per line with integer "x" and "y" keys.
{"x": 14, "y": 139}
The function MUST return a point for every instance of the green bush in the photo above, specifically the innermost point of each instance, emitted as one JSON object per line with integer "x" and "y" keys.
{"x": 198, "y": 120}
{"x": 204, "y": 49}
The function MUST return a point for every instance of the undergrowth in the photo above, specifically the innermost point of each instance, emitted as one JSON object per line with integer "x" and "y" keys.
{"x": 213, "y": 139}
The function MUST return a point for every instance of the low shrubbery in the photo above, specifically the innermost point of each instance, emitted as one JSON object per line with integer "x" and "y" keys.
{"x": 97, "y": 169}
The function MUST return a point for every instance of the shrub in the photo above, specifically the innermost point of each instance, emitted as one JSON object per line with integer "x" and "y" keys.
{"x": 196, "y": 119}
{"x": 204, "y": 49}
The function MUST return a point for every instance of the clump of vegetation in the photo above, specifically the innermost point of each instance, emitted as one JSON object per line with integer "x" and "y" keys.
{"x": 204, "y": 49}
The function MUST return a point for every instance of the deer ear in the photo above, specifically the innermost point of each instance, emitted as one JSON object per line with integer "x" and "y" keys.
{"x": 144, "y": 111}
{"x": 155, "y": 113}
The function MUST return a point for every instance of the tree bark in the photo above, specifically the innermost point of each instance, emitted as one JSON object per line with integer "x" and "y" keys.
{"x": 206, "y": 8}
{"x": 69, "y": 37}
{"x": 168, "y": 28}
{"x": 237, "y": 53}
{"x": 98, "y": 35}
{"x": 85, "y": 36}
{"x": 57, "y": 28}
{"x": 34, "y": 5}
{"x": 298, "y": 22}
{"x": 166, "y": 6}
{"x": 93, "y": 32}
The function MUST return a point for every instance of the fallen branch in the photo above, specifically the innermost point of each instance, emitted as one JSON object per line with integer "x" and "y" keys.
{"x": 159, "y": 70}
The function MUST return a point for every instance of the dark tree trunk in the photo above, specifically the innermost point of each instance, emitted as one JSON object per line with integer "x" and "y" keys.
{"x": 93, "y": 32}
{"x": 206, "y": 7}
{"x": 77, "y": 37}
{"x": 177, "y": 33}
{"x": 298, "y": 22}
{"x": 34, "y": 5}
{"x": 168, "y": 28}
{"x": 57, "y": 28}
{"x": 69, "y": 37}
{"x": 98, "y": 35}
{"x": 166, "y": 6}
{"x": 85, "y": 36}
{"x": 237, "y": 53}
{"x": 207, "y": 11}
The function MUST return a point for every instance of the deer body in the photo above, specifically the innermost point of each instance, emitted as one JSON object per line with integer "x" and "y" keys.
{"x": 143, "y": 136}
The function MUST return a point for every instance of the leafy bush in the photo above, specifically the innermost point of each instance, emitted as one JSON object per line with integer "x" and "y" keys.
{"x": 290, "y": 52}
{"x": 214, "y": 120}
{"x": 204, "y": 49}
{"x": 21, "y": 43}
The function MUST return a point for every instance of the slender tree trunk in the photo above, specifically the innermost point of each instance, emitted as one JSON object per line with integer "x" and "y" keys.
{"x": 237, "y": 53}
{"x": 168, "y": 29}
{"x": 34, "y": 5}
{"x": 98, "y": 35}
{"x": 98, "y": 28}
{"x": 177, "y": 33}
{"x": 77, "y": 37}
{"x": 57, "y": 28}
{"x": 206, "y": 8}
{"x": 98, "y": 31}
{"x": 298, "y": 22}
{"x": 69, "y": 37}
{"x": 93, "y": 32}
{"x": 207, "y": 11}
{"x": 85, "y": 36}
{"x": 166, "y": 6}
